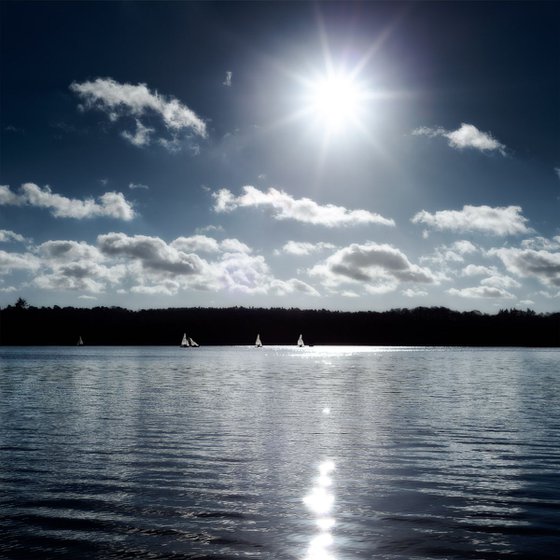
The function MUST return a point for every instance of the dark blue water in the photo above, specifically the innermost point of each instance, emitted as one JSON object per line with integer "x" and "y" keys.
{"x": 279, "y": 453}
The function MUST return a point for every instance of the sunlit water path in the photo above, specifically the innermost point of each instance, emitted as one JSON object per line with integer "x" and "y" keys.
{"x": 324, "y": 453}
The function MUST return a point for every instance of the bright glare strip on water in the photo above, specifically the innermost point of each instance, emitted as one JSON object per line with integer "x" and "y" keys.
{"x": 320, "y": 501}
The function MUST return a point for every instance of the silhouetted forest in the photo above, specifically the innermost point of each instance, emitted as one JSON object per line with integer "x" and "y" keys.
{"x": 21, "y": 324}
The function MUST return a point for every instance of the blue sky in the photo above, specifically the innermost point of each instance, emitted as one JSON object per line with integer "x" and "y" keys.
{"x": 355, "y": 156}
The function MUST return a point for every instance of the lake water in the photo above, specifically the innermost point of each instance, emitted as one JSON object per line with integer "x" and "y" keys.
{"x": 323, "y": 453}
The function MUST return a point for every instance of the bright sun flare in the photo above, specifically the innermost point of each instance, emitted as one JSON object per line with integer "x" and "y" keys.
{"x": 336, "y": 100}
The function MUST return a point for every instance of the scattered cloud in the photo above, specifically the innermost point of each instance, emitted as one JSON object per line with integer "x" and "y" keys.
{"x": 538, "y": 243}
{"x": 7, "y": 235}
{"x": 466, "y": 136}
{"x": 454, "y": 253}
{"x": 282, "y": 288}
{"x": 10, "y": 262}
{"x": 123, "y": 100}
{"x": 227, "y": 81}
{"x": 379, "y": 268}
{"x": 412, "y": 293}
{"x": 501, "y": 220}
{"x": 481, "y": 292}
{"x": 478, "y": 270}
{"x": 111, "y": 204}
{"x": 285, "y": 207}
{"x": 152, "y": 253}
{"x": 500, "y": 281}
{"x": 540, "y": 264}
{"x": 301, "y": 248}
{"x": 557, "y": 170}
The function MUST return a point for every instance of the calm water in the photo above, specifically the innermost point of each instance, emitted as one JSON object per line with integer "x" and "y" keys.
{"x": 320, "y": 453}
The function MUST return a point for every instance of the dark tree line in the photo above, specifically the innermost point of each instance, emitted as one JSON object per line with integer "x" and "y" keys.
{"x": 22, "y": 324}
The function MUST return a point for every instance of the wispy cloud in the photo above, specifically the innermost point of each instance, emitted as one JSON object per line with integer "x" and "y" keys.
{"x": 135, "y": 186}
{"x": 466, "y": 136}
{"x": 484, "y": 219}
{"x": 380, "y": 268}
{"x": 119, "y": 100}
{"x": 227, "y": 81}
{"x": 140, "y": 137}
{"x": 285, "y": 207}
{"x": 110, "y": 204}
{"x": 6, "y": 235}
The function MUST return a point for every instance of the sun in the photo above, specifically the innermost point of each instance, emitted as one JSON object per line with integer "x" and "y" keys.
{"x": 336, "y": 100}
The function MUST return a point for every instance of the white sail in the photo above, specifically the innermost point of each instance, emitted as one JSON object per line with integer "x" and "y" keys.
{"x": 184, "y": 342}
{"x": 258, "y": 342}
{"x": 300, "y": 341}
{"x": 80, "y": 341}
{"x": 192, "y": 343}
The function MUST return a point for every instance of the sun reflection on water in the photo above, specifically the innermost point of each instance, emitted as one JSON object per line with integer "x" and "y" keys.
{"x": 320, "y": 501}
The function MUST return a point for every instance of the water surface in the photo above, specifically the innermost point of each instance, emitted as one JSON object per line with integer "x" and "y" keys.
{"x": 324, "y": 453}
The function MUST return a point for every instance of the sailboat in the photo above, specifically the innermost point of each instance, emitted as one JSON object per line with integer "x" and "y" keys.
{"x": 192, "y": 343}
{"x": 300, "y": 341}
{"x": 258, "y": 343}
{"x": 184, "y": 342}
{"x": 80, "y": 341}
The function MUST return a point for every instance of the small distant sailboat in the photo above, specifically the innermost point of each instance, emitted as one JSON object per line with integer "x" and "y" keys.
{"x": 258, "y": 343}
{"x": 192, "y": 343}
{"x": 185, "y": 341}
{"x": 300, "y": 342}
{"x": 80, "y": 341}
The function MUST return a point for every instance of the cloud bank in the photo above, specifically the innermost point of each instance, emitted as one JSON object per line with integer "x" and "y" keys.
{"x": 305, "y": 210}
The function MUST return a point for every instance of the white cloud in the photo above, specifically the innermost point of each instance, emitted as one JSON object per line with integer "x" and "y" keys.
{"x": 538, "y": 243}
{"x": 506, "y": 220}
{"x": 378, "y": 267}
{"x": 10, "y": 262}
{"x": 500, "y": 281}
{"x": 543, "y": 265}
{"x": 304, "y": 210}
{"x": 302, "y": 248}
{"x": 466, "y": 136}
{"x": 128, "y": 100}
{"x": 557, "y": 170}
{"x": 412, "y": 293}
{"x": 85, "y": 276}
{"x": 478, "y": 270}
{"x": 141, "y": 136}
{"x": 152, "y": 253}
{"x": 62, "y": 251}
{"x": 196, "y": 243}
{"x": 482, "y": 292}
{"x": 7, "y": 235}
{"x": 227, "y": 81}
{"x": 464, "y": 247}
{"x": 281, "y": 288}
{"x": 110, "y": 204}
{"x": 234, "y": 246}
